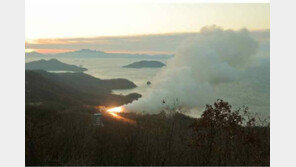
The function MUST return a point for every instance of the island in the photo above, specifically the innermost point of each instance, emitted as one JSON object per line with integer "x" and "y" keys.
{"x": 53, "y": 65}
{"x": 145, "y": 64}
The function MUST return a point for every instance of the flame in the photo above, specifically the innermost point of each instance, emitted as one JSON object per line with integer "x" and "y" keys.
{"x": 114, "y": 112}
{"x": 115, "y": 109}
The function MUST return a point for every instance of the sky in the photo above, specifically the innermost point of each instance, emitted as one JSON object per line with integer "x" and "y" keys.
{"x": 64, "y": 24}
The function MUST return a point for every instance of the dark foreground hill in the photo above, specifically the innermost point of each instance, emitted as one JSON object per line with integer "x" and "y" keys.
{"x": 68, "y": 137}
{"x": 52, "y": 65}
{"x": 145, "y": 64}
{"x": 75, "y": 88}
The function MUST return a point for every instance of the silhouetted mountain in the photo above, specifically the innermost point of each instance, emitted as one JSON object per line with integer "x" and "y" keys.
{"x": 75, "y": 89}
{"x": 87, "y": 53}
{"x": 34, "y": 54}
{"x": 52, "y": 65}
{"x": 145, "y": 64}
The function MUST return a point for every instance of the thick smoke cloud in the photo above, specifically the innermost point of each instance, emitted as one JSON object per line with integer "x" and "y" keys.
{"x": 215, "y": 64}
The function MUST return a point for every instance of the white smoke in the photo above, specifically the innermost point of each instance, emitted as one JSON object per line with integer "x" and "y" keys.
{"x": 215, "y": 64}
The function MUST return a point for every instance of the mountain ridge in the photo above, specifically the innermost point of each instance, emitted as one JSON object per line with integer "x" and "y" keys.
{"x": 52, "y": 65}
{"x": 75, "y": 88}
{"x": 88, "y": 53}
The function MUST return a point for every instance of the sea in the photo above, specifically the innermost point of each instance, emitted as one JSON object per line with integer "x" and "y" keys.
{"x": 111, "y": 68}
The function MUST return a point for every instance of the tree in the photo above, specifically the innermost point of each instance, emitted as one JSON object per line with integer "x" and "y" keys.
{"x": 226, "y": 137}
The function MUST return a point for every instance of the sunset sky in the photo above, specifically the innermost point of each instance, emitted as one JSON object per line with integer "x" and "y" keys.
{"x": 51, "y": 23}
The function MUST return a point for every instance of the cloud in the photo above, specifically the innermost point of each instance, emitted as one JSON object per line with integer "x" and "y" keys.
{"x": 157, "y": 43}
{"x": 213, "y": 64}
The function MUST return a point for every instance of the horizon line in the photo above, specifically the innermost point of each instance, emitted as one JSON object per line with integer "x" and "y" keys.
{"x": 137, "y": 35}
{"x": 110, "y": 52}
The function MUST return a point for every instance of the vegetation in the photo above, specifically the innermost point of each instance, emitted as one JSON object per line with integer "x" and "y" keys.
{"x": 53, "y": 65}
{"x": 59, "y": 135}
{"x": 75, "y": 89}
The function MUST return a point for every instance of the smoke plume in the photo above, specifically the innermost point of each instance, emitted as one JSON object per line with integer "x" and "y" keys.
{"x": 215, "y": 64}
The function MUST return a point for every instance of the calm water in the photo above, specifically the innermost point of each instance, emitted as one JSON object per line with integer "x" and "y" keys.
{"x": 110, "y": 68}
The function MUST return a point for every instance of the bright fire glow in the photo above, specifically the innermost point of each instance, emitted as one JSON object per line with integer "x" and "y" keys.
{"x": 114, "y": 112}
{"x": 115, "y": 109}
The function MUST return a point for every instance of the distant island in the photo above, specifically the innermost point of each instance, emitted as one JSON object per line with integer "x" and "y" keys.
{"x": 53, "y": 65}
{"x": 88, "y": 53}
{"x": 145, "y": 64}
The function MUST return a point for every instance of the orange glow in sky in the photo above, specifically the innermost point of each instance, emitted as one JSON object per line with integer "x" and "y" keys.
{"x": 49, "y": 50}
{"x": 49, "y": 22}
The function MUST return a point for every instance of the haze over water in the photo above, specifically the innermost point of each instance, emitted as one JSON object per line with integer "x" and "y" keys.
{"x": 110, "y": 68}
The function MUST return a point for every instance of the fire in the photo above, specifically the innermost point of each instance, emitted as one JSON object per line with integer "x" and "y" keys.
{"x": 115, "y": 113}
{"x": 115, "y": 109}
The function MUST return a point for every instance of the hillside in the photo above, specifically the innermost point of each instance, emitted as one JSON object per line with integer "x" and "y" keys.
{"x": 53, "y": 65}
{"x": 57, "y": 137}
{"x": 145, "y": 64}
{"x": 75, "y": 89}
